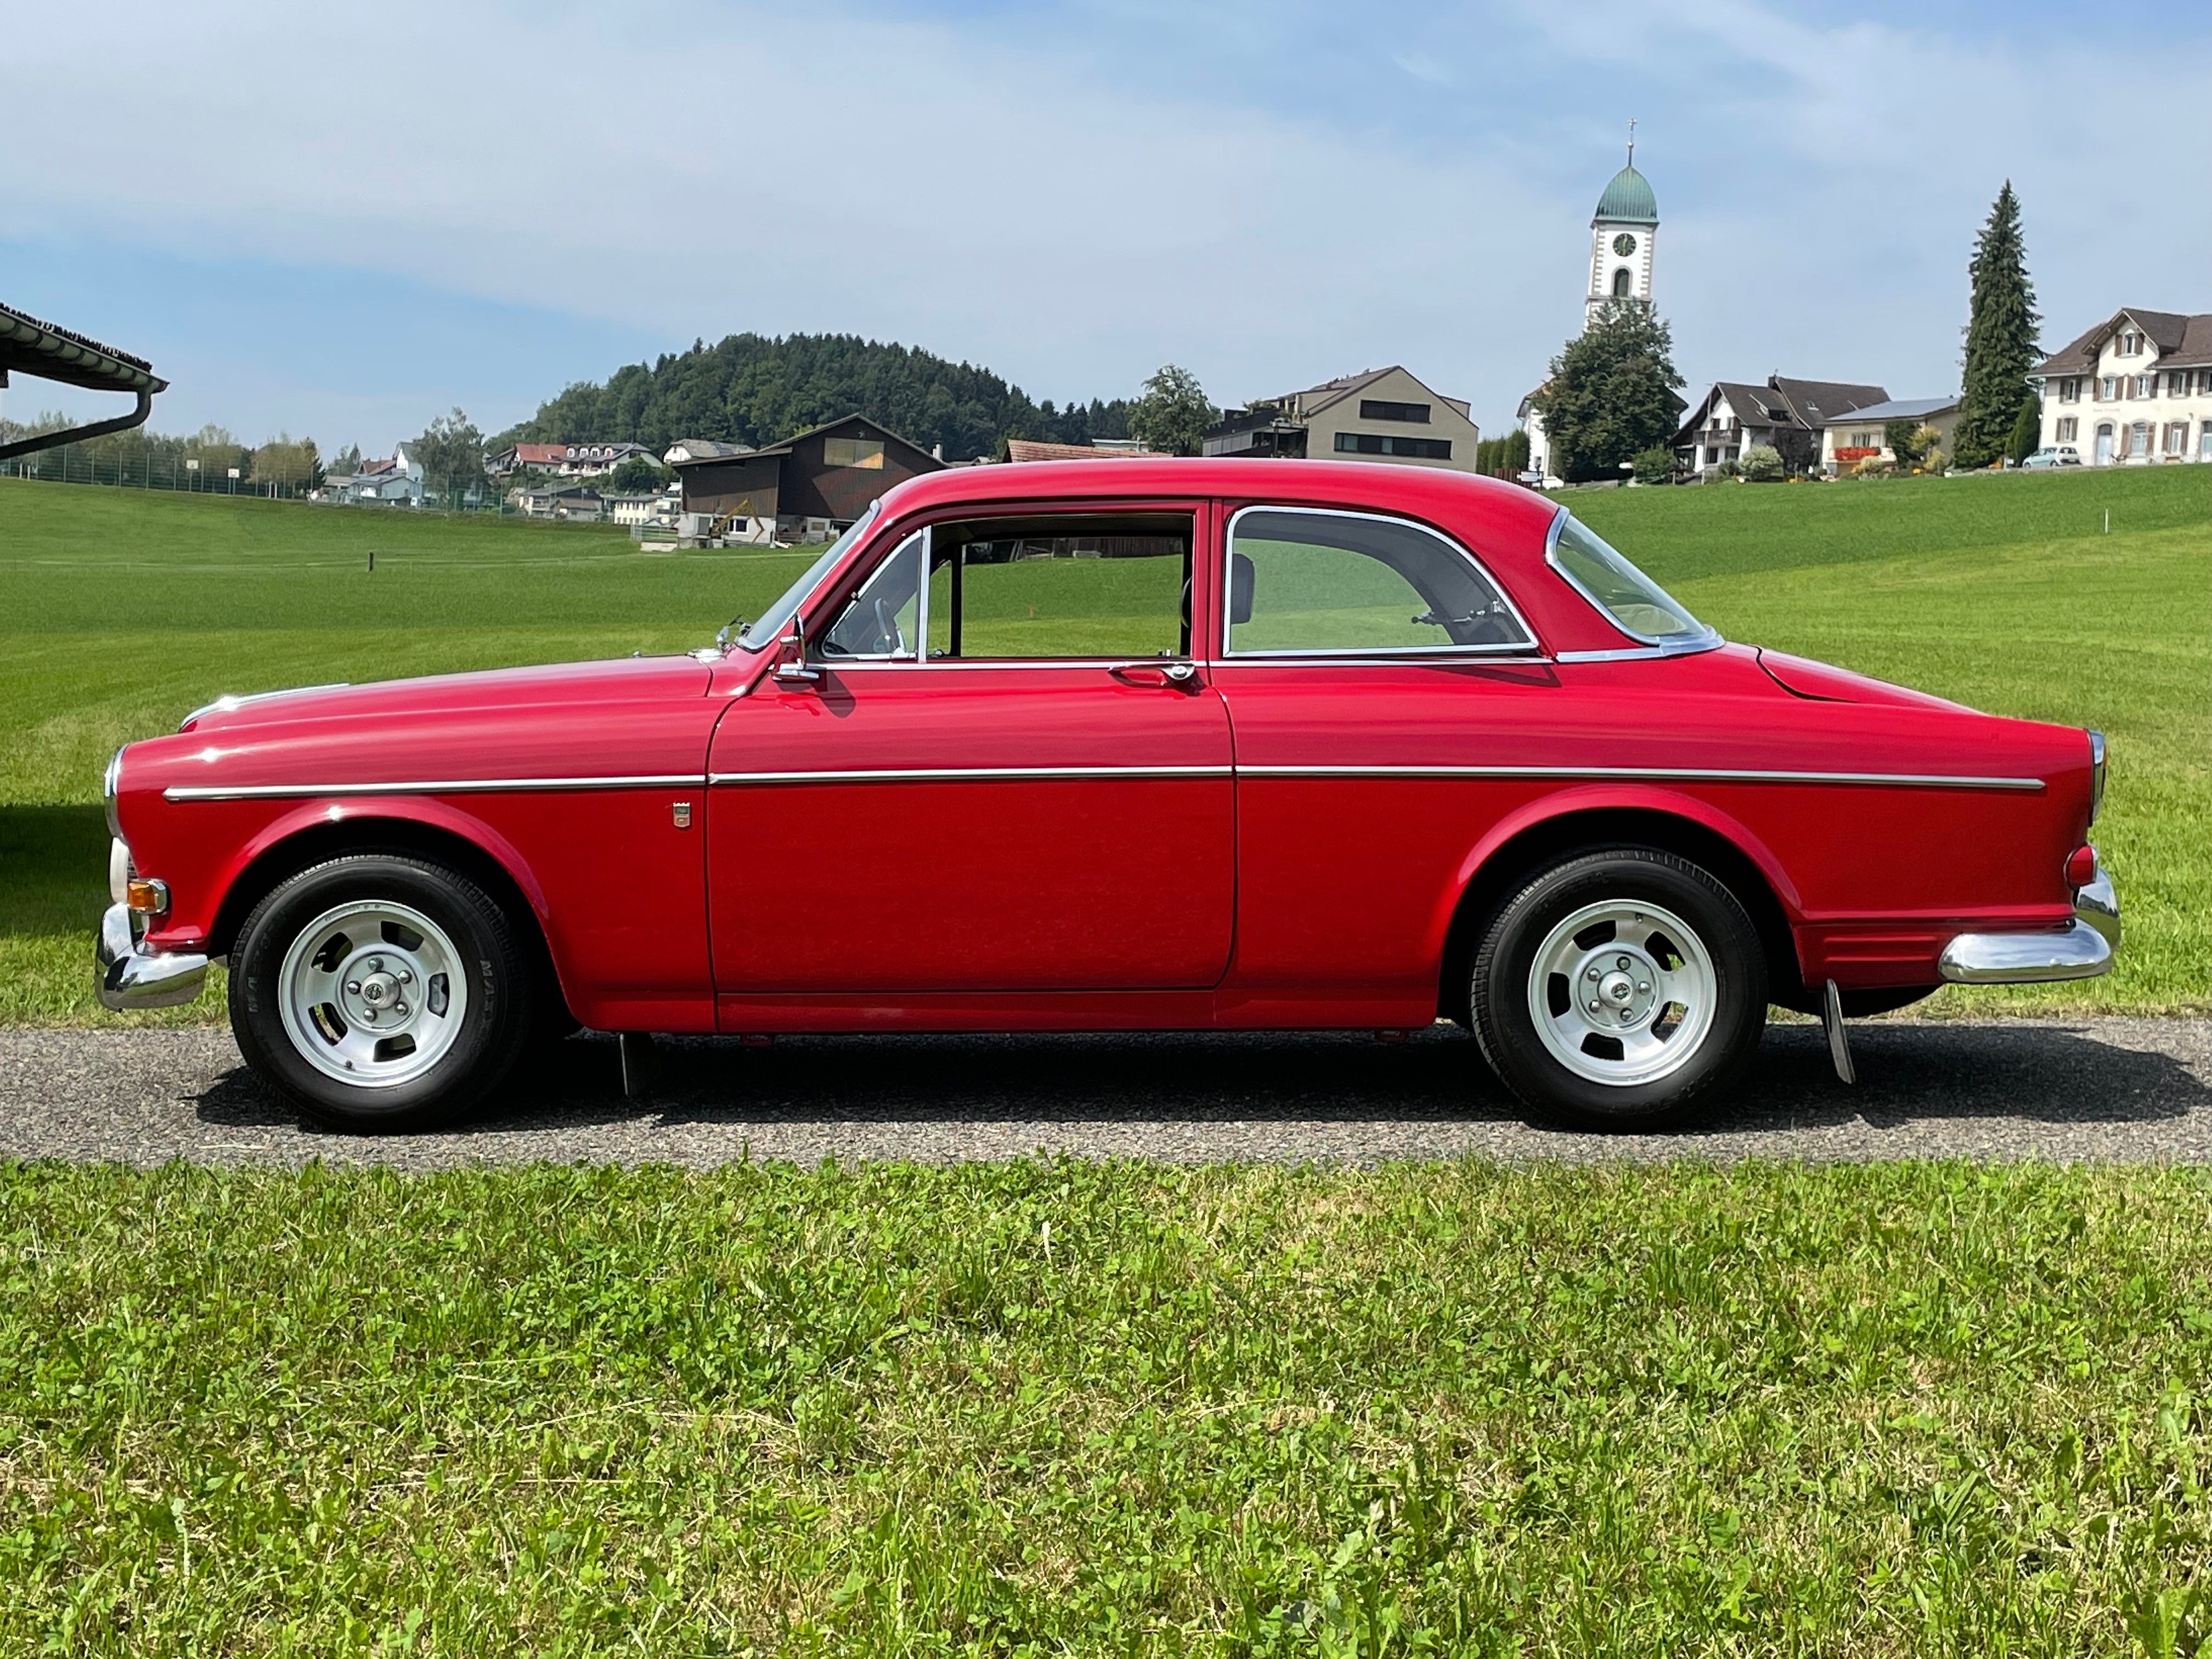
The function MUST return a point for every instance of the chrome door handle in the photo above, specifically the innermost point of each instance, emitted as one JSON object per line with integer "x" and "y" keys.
{"x": 1181, "y": 676}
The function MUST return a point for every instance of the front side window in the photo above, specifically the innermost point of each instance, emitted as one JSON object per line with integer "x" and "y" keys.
{"x": 1068, "y": 585}
{"x": 1639, "y": 607}
{"x": 760, "y": 635}
{"x": 881, "y": 621}
{"x": 1303, "y": 581}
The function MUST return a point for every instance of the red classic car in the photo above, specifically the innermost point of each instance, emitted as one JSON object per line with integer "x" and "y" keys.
{"x": 1116, "y": 745}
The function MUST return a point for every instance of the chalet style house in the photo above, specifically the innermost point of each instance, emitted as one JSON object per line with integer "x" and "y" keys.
{"x": 2134, "y": 391}
{"x": 1381, "y": 415}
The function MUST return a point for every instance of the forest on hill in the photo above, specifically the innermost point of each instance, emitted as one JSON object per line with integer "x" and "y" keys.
{"x": 753, "y": 389}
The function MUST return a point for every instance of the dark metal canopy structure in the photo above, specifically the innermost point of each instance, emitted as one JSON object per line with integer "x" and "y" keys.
{"x": 28, "y": 346}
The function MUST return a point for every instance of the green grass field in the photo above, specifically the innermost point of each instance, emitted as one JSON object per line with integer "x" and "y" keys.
{"x": 1106, "y": 1409}
{"x": 126, "y": 610}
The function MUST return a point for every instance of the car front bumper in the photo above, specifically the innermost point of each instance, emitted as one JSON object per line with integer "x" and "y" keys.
{"x": 129, "y": 977}
{"x": 2082, "y": 950}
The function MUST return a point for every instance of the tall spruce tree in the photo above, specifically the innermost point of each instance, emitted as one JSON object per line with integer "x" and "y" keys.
{"x": 2001, "y": 338}
{"x": 1611, "y": 394}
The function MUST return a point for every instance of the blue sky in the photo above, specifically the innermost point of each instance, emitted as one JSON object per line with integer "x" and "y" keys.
{"x": 317, "y": 226}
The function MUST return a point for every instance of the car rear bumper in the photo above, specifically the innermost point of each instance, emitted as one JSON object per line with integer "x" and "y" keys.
{"x": 2082, "y": 950}
{"x": 129, "y": 977}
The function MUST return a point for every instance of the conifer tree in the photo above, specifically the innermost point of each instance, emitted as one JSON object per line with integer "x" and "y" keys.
{"x": 2000, "y": 337}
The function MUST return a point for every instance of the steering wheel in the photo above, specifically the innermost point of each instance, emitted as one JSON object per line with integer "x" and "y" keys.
{"x": 890, "y": 640}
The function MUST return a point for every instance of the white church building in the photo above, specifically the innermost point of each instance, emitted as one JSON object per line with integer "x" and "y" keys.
{"x": 1622, "y": 236}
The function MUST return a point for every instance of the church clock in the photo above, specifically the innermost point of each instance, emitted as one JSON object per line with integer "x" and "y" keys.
{"x": 1624, "y": 245}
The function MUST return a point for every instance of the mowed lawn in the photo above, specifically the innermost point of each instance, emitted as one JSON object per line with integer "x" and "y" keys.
{"x": 126, "y": 610}
{"x": 1040, "y": 1408}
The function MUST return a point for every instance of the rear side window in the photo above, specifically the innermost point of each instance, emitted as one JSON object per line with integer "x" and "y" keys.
{"x": 1303, "y": 581}
{"x": 1639, "y": 607}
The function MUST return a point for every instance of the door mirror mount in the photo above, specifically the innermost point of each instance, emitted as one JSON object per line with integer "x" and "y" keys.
{"x": 792, "y": 667}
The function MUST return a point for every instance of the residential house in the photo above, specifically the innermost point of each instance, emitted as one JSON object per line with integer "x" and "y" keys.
{"x": 1789, "y": 416}
{"x": 702, "y": 449}
{"x": 811, "y": 485}
{"x": 1381, "y": 414}
{"x": 2133, "y": 390}
{"x": 569, "y": 460}
{"x": 635, "y": 510}
{"x": 397, "y": 480}
{"x": 578, "y": 502}
{"x": 1862, "y": 435}
{"x": 1022, "y": 450}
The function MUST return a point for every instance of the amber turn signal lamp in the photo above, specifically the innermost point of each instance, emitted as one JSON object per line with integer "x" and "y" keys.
{"x": 146, "y": 896}
{"x": 2082, "y": 866}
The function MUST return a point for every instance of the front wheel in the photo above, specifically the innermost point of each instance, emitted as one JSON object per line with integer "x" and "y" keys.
{"x": 1618, "y": 988}
{"x": 376, "y": 990}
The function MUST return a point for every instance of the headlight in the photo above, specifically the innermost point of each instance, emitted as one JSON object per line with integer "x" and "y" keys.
{"x": 109, "y": 783}
{"x": 2096, "y": 774}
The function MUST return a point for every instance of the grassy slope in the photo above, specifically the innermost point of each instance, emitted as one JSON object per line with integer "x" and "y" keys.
{"x": 1058, "y": 1409}
{"x": 126, "y": 610}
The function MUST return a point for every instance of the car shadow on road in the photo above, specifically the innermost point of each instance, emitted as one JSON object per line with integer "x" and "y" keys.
{"x": 1909, "y": 1072}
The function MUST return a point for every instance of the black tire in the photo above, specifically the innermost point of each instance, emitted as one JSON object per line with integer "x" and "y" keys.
{"x": 1504, "y": 962}
{"x": 497, "y": 1016}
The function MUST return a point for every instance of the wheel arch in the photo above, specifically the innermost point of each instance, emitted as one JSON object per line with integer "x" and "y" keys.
{"x": 425, "y": 829}
{"x": 1521, "y": 844}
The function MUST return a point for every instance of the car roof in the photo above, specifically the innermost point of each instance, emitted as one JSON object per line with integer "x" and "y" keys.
{"x": 1504, "y": 524}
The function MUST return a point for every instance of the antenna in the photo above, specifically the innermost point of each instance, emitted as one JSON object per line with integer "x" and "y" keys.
{"x": 1631, "y": 141}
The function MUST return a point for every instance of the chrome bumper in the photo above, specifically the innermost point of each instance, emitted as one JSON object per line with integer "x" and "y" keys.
{"x": 2083, "y": 950}
{"x": 131, "y": 978}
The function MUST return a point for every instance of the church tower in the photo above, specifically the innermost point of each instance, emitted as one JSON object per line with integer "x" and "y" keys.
{"x": 1621, "y": 235}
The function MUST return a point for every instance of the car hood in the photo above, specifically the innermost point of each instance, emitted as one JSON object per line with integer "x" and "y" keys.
{"x": 626, "y": 680}
{"x": 1816, "y": 682}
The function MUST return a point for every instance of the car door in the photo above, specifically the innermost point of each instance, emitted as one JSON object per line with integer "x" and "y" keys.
{"x": 1040, "y": 800}
{"x": 1372, "y": 670}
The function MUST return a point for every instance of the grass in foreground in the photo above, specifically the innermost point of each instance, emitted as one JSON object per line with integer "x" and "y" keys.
{"x": 2003, "y": 592}
{"x": 1099, "y": 1409}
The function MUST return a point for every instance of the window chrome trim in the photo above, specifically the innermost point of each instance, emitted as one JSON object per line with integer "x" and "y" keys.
{"x": 1656, "y": 773}
{"x": 966, "y": 773}
{"x": 1665, "y": 645}
{"x": 431, "y": 786}
{"x": 1527, "y": 642}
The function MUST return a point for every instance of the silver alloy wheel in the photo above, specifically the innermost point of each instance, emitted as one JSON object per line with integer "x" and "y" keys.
{"x": 372, "y": 994}
{"x": 1622, "y": 993}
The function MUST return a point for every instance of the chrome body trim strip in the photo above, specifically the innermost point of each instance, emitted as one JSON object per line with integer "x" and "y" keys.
{"x": 967, "y": 774}
{"x": 1644, "y": 652}
{"x": 127, "y": 977}
{"x": 1522, "y": 646}
{"x": 1663, "y": 774}
{"x": 426, "y": 786}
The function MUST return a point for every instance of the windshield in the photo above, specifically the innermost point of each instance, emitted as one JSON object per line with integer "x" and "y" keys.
{"x": 760, "y": 635}
{"x": 1639, "y": 607}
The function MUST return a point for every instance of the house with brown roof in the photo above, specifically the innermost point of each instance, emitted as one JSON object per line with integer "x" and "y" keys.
{"x": 1789, "y": 416}
{"x": 1379, "y": 415}
{"x": 810, "y": 486}
{"x": 2134, "y": 391}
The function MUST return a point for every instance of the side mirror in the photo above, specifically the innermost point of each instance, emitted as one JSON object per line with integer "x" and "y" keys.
{"x": 792, "y": 667}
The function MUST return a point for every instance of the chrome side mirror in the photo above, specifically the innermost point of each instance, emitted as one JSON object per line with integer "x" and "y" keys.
{"x": 792, "y": 667}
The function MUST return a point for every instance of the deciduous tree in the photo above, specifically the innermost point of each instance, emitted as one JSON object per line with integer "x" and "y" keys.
{"x": 1173, "y": 414}
{"x": 452, "y": 453}
{"x": 1611, "y": 392}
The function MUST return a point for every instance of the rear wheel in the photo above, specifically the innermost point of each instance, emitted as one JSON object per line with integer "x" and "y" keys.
{"x": 377, "y": 991}
{"x": 1619, "y": 987}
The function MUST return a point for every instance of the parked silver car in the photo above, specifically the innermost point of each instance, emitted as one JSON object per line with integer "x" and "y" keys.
{"x": 2050, "y": 456}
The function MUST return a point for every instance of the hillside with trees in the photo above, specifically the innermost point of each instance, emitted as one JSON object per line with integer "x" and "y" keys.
{"x": 753, "y": 389}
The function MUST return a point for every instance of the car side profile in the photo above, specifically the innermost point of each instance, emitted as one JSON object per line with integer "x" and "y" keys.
{"x": 2051, "y": 456}
{"x": 1137, "y": 745}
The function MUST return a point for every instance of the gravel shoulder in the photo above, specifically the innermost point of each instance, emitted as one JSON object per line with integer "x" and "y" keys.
{"x": 2108, "y": 1089}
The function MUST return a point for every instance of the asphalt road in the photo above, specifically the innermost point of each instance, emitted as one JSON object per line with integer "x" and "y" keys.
{"x": 2100, "y": 1091}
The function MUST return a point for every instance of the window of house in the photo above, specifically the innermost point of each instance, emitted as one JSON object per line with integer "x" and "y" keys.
{"x": 1376, "y": 409}
{"x": 2070, "y": 389}
{"x": 2068, "y": 425}
{"x": 2204, "y": 443}
{"x": 2177, "y": 386}
{"x": 2108, "y": 388}
{"x": 2146, "y": 385}
{"x": 852, "y": 451}
{"x": 2130, "y": 342}
{"x": 1377, "y": 443}
{"x": 2177, "y": 437}
{"x": 2139, "y": 438}
{"x": 1303, "y": 582}
{"x": 2205, "y": 380}
{"x": 1077, "y": 586}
